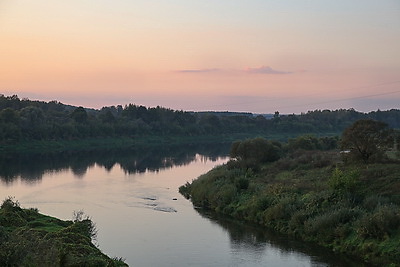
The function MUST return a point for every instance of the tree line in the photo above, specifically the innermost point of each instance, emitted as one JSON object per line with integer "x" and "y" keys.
{"x": 25, "y": 120}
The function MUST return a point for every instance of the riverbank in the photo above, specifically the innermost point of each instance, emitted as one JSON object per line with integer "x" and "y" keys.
{"x": 28, "y": 238}
{"x": 312, "y": 196}
{"x": 102, "y": 144}
{"x": 140, "y": 141}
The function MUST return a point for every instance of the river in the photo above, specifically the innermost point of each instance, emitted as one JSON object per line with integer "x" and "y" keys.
{"x": 133, "y": 198}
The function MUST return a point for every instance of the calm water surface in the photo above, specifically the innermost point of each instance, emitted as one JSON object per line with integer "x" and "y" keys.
{"x": 142, "y": 218}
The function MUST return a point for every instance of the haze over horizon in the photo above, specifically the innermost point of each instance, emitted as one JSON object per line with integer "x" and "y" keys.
{"x": 246, "y": 56}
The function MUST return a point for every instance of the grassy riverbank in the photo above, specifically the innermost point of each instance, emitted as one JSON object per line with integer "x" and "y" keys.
{"x": 352, "y": 208}
{"x": 28, "y": 238}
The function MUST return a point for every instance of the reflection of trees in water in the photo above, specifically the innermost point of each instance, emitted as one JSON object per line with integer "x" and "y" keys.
{"x": 256, "y": 239}
{"x": 31, "y": 167}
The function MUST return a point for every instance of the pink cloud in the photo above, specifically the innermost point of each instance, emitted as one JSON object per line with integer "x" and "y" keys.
{"x": 266, "y": 70}
{"x": 260, "y": 70}
{"x": 199, "y": 70}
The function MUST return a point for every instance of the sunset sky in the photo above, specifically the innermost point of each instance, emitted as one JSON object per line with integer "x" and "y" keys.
{"x": 257, "y": 56}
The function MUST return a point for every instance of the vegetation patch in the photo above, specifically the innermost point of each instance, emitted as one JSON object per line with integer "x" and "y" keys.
{"x": 314, "y": 192}
{"x": 28, "y": 238}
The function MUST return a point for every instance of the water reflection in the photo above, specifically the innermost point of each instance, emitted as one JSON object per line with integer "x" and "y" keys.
{"x": 255, "y": 240}
{"x": 132, "y": 196}
{"x": 32, "y": 167}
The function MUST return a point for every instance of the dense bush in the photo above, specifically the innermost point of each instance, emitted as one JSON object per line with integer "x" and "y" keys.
{"x": 252, "y": 152}
{"x": 326, "y": 225}
{"x": 344, "y": 182}
{"x": 381, "y": 223}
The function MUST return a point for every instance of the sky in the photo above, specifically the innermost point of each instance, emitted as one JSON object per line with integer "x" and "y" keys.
{"x": 257, "y": 56}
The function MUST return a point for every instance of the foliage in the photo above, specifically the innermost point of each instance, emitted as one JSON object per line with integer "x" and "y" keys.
{"x": 255, "y": 151}
{"x": 311, "y": 195}
{"x": 88, "y": 227}
{"x": 366, "y": 138}
{"x": 79, "y": 115}
{"x": 9, "y": 204}
{"x": 23, "y": 120}
{"x": 310, "y": 142}
{"x": 343, "y": 182}
{"x": 381, "y": 223}
{"x": 28, "y": 238}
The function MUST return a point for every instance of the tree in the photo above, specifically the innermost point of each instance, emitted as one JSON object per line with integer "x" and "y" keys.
{"x": 306, "y": 142}
{"x": 106, "y": 115}
{"x": 252, "y": 152}
{"x": 31, "y": 117}
{"x": 366, "y": 138}
{"x": 79, "y": 115}
{"x": 9, "y": 115}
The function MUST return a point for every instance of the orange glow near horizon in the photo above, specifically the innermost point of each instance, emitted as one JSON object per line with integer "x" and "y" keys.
{"x": 258, "y": 57}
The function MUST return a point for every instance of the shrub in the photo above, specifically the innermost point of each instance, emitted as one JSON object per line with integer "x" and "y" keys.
{"x": 343, "y": 182}
{"x": 85, "y": 225}
{"x": 185, "y": 190}
{"x": 242, "y": 183}
{"x": 3, "y": 234}
{"x": 305, "y": 142}
{"x": 324, "y": 226}
{"x": 296, "y": 223}
{"x": 384, "y": 221}
{"x": 10, "y": 204}
{"x": 371, "y": 202}
{"x": 281, "y": 210}
{"x": 252, "y": 152}
{"x": 222, "y": 196}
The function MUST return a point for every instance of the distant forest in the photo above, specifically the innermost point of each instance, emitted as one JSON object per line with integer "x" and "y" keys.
{"x": 26, "y": 120}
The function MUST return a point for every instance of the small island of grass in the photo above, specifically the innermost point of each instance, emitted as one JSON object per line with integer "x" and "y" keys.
{"x": 28, "y": 238}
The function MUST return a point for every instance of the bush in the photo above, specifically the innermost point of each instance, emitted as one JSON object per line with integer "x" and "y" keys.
{"x": 305, "y": 142}
{"x": 281, "y": 210}
{"x": 185, "y": 190}
{"x": 325, "y": 226}
{"x": 371, "y": 202}
{"x": 384, "y": 221}
{"x": 9, "y": 204}
{"x": 251, "y": 152}
{"x": 343, "y": 182}
{"x": 4, "y": 235}
{"x": 222, "y": 196}
{"x": 85, "y": 225}
{"x": 296, "y": 223}
{"x": 242, "y": 183}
